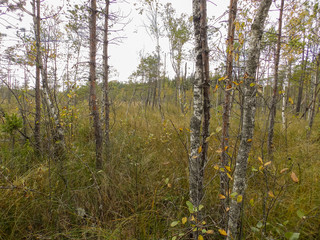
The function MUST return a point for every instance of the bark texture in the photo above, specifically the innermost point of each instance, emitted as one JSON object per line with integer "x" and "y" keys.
{"x": 249, "y": 107}
{"x": 273, "y": 108}
{"x": 106, "y": 74}
{"x": 201, "y": 105}
{"x": 36, "y": 20}
{"x": 92, "y": 79}
{"x": 224, "y": 179}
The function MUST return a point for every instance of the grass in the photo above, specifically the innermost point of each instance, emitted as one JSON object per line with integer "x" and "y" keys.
{"x": 143, "y": 187}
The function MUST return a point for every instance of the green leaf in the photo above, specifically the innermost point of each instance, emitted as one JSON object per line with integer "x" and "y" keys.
{"x": 166, "y": 181}
{"x": 233, "y": 195}
{"x": 174, "y": 238}
{"x": 201, "y": 207}
{"x": 174, "y": 223}
{"x": 190, "y": 206}
{"x": 254, "y": 229}
{"x": 292, "y": 235}
{"x": 300, "y": 214}
{"x": 259, "y": 224}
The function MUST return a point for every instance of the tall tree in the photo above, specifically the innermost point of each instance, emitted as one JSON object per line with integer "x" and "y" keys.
{"x": 92, "y": 79}
{"x": 275, "y": 85}
{"x": 201, "y": 106}
{"x": 224, "y": 179}
{"x": 36, "y": 20}
{"x": 106, "y": 73}
{"x": 249, "y": 107}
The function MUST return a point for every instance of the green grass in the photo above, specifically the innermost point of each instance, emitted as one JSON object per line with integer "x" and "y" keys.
{"x": 143, "y": 186}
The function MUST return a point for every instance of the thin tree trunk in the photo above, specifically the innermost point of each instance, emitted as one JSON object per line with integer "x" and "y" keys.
{"x": 92, "y": 78}
{"x": 273, "y": 108}
{"x": 301, "y": 81}
{"x": 249, "y": 108}
{"x": 36, "y": 19}
{"x": 224, "y": 179}
{"x": 315, "y": 91}
{"x": 106, "y": 75}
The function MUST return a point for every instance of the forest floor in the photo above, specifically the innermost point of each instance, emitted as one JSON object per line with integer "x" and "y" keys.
{"x": 141, "y": 192}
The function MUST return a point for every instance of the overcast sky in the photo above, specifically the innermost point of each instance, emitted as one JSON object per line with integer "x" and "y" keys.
{"x": 125, "y": 56}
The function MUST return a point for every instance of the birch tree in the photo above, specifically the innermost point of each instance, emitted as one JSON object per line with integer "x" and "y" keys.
{"x": 249, "y": 107}
{"x": 201, "y": 107}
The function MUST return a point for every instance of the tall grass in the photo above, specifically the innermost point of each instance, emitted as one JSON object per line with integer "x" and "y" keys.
{"x": 143, "y": 186}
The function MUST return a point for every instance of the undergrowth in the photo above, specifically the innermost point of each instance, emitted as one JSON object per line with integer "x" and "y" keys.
{"x": 143, "y": 186}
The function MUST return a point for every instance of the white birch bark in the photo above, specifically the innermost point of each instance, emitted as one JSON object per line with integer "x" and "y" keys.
{"x": 249, "y": 107}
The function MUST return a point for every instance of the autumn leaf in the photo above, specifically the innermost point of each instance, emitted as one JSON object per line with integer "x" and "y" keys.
{"x": 270, "y": 193}
{"x": 200, "y": 237}
{"x": 260, "y": 160}
{"x": 209, "y": 231}
{"x": 228, "y": 168}
{"x": 294, "y": 177}
{"x": 200, "y": 149}
{"x": 284, "y": 170}
{"x": 222, "y": 196}
{"x": 267, "y": 163}
{"x": 249, "y": 140}
{"x": 184, "y": 220}
{"x": 239, "y": 198}
{"x": 223, "y": 232}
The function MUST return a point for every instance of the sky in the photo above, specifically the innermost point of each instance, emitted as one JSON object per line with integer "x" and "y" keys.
{"x": 124, "y": 57}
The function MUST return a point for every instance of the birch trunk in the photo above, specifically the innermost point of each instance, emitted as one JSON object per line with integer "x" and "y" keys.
{"x": 58, "y": 133}
{"x": 249, "y": 107}
{"x": 201, "y": 105}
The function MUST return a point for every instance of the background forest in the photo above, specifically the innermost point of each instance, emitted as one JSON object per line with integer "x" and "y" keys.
{"x": 216, "y": 138}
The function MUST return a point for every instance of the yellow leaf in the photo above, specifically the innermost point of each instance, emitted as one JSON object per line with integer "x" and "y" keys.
{"x": 203, "y": 222}
{"x": 290, "y": 100}
{"x": 294, "y": 177}
{"x": 227, "y": 209}
{"x": 216, "y": 167}
{"x": 222, "y": 78}
{"x": 261, "y": 168}
{"x": 270, "y": 193}
{"x": 267, "y": 163}
{"x": 192, "y": 218}
{"x": 200, "y": 149}
{"x": 228, "y": 168}
{"x": 223, "y": 232}
{"x": 239, "y": 198}
{"x": 222, "y": 196}
{"x": 260, "y": 160}
{"x": 236, "y": 83}
{"x": 169, "y": 185}
{"x": 200, "y": 237}
{"x": 284, "y": 170}
{"x": 249, "y": 140}
{"x": 215, "y": 89}
{"x": 209, "y": 231}
{"x": 184, "y": 220}
{"x": 252, "y": 84}
{"x": 225, "y": 148}
{"x": 229, "y": 176}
